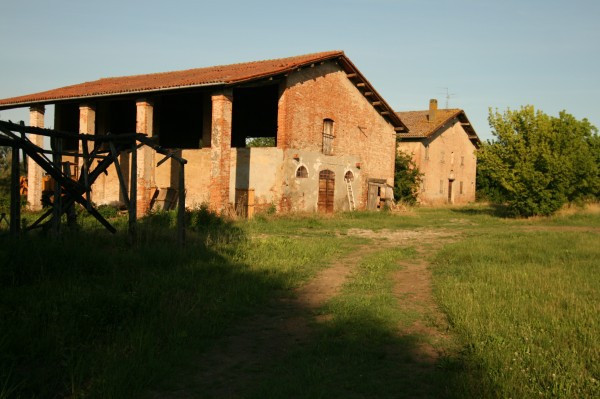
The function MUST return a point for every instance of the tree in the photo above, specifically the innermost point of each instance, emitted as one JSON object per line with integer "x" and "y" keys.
{"x": 407, "y": 179}
{"x": 537, "y": 162}
{"x": 260, "y": 142}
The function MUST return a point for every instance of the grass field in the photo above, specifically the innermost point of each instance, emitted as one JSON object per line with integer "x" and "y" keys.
{"x": 452, "y": 302}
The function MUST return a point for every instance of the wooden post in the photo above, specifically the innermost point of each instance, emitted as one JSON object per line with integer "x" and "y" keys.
{"x": 15, "y": 193}
{"x": 181, "y": 206}
{"x": 133, "y": 194}
{"x": 56, "y": 204}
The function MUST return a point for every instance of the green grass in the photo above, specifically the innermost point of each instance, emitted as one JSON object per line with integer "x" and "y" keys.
{"x": 357, "y": 352}
{"x": 525, "y": 306}
{"x": 85, "y": 315}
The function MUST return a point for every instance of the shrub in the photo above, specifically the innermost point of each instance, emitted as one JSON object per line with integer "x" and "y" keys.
{"x": 537, "y": 162}
{"x": 407, "y": 179}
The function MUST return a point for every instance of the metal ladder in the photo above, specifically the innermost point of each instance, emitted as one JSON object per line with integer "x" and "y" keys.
{"x": 350, "y": 195}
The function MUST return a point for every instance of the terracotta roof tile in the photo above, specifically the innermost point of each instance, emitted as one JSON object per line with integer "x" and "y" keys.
{"x": 221, "y": 74}
{"x": 419, "y": 125}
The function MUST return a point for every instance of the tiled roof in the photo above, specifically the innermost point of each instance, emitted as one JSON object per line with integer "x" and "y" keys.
{"x": 214, "y": 75}
{"x": 419, "y": 125}
{"x": 210, "y": 76}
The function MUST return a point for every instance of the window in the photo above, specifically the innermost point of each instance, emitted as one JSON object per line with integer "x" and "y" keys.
{"x": 441, "y": 187}
{"x": 427, "y": 152}
{"x": 254, "y": 116}
{"x": 349, "y": 176}
{"x": 442, "y": 154}
{"x": 301, "y": 172}
{"x": 423, "y": 185}
{"x": 327, "y": 136}
{"x": 462, "y": 160}
{"x": 461, "y": 188}
{"x": 452, "y": 158}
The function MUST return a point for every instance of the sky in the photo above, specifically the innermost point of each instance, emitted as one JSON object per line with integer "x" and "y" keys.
{"x": 485, "y": 54}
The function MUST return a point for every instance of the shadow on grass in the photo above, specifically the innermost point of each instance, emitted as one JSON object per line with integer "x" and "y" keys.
{"x": 86, "y": 315}
{"x": 494, "y": 210}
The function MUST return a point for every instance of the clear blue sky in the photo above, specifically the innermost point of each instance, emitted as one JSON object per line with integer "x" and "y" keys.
{"x": 495, "y": 54}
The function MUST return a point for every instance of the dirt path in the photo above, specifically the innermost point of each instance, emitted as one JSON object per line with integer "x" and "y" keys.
{"x": 265, "y": 338}
{"x": 413, "y": 289}
{"x": 285, "y": 324}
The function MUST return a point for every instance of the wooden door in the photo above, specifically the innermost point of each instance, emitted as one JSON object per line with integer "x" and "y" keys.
{"x": 373, "y": 196}
{"x": 326, "y": 191}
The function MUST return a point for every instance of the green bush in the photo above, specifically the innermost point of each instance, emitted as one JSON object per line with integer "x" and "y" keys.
{"x": 538, "y": 162}
{"x": 407, "y": 179}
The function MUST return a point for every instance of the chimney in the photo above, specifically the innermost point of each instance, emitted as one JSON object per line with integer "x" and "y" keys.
{"x": 432, "y": 110}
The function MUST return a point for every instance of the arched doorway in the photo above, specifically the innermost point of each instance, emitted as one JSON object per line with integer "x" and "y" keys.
{"x": 326, "y": 191}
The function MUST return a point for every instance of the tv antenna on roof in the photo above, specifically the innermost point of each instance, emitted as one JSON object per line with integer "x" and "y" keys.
{"x": 448, "y": 95}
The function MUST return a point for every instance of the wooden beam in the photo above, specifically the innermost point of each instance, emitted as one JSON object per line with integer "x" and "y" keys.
{"x": 375, "y": 103}
{"x": 399, "y": 129}
{"x": 351, "y": 75}
{"x": 133, "y": 194}
{"x": 465, "y": 124}
{"x": 15, "y": 193}
{"x": 368, "y": 93}
{"x": 181, "y": 206}
{"x": 361, "y": 84}
{"x": 385, "y": 112}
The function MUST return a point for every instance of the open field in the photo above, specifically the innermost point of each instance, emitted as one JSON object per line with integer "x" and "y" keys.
{"x": 451, "y": 302}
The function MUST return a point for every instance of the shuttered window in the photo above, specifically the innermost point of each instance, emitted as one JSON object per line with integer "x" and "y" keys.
{"x": 327, "y": 136}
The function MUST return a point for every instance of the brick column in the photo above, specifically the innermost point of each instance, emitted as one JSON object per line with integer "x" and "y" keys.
{"x": 220, "y": 150}
{"x": 145, "y": 157}
{"x": 34, "y": 172}
{"x": 87, "y": 125}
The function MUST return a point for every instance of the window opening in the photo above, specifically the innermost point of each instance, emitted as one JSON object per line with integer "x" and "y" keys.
{"x": 327, "y": 136}
{"x": 254, "y": 116}
{"x": 442, "y": 154}
{"x": 180, "y": 120}
{"x": 441, "y": 187}
{"x": 462, "y": 160}
{"x": 427, "y": 152}
{"x": 302, "y": 172}
{"x": 349, "y": 176}
{"x": 461, "y": 187}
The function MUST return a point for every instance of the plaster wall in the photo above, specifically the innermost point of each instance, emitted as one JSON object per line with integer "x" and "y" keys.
{"x": 259, "y": 169}
{"x": 301, "y": 194}
{"x": 451, "y": 155}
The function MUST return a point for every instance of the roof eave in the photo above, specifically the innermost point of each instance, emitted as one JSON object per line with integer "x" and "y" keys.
{"x": 104, "y": 95}
{"x": 387, "y": 112}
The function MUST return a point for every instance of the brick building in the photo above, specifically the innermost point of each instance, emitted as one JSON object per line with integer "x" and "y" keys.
{"x": 332, "y": 135}
{"x": 443, "y": 145}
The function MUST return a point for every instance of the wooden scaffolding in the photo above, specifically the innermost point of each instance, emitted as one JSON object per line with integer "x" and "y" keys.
{"x": 105, "y": 149}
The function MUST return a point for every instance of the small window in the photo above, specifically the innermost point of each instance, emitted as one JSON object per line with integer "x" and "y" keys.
{"x": 349, "y": 176}
{"x": 427, "y": 152}
{"x": 327, "y": 136}
{"x": 423, "y": 185}
{"x": 452, "y": 158}
{"x": 441, "y": 187}
{"x": 462, "y": 160}
{"x": 442, "y": 154}
{"x": 301, "y": 172}
{"x": 461, "y": 187}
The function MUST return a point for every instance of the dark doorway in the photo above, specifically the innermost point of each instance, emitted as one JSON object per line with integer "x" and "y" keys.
{"x": 450, "y": 191}
{"x": 326, "y": 191}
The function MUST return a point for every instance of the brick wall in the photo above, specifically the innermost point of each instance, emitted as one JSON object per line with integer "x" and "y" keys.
{"x": 324, "y": 91}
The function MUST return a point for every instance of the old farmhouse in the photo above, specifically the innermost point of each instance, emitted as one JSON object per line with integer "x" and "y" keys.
{"x": 442, "y": 143}
{"x": 330, "y": 136}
